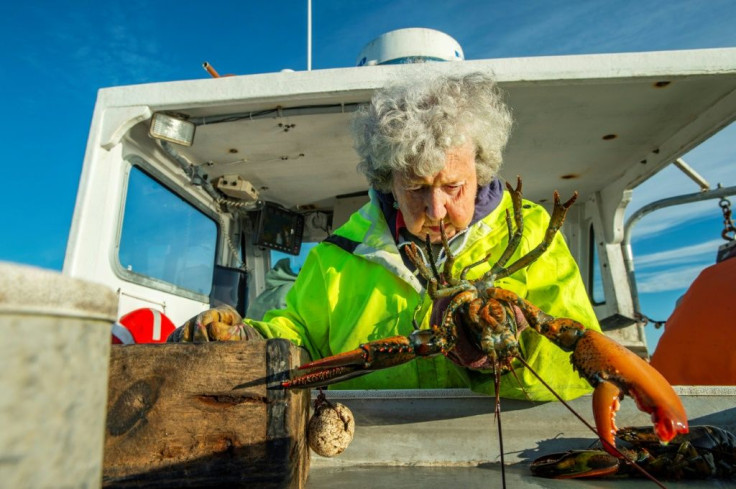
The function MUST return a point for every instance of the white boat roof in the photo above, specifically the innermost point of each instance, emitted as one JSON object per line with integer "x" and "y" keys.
{"x": 583, "y": 123}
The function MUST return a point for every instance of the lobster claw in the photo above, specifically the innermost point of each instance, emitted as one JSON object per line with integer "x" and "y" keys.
{"x": 371, "y": 356}
{"x": 615, "y": 370}
{"x": 575, "y": 464}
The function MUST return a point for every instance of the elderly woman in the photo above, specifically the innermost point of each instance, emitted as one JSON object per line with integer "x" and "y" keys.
{"x": 431, "y": 151}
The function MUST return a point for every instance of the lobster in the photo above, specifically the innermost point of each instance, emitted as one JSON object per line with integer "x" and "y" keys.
{"x": 489, "y": 319}
{"x": 704, "y": 452}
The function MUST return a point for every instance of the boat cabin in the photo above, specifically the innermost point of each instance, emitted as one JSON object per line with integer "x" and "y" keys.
{"x": 192, "y": 190}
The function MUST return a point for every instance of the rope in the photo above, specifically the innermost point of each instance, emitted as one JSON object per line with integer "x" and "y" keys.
{"x": 728, "y": 226}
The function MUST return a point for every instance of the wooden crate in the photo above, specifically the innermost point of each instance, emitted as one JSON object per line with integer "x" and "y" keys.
{"x": 205, "y": 415}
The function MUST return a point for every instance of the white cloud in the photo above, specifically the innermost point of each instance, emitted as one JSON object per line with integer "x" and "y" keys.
{"x": 702, "y": 253}
{"x": 675, "y": 279}
{"x": 674, "y": 217}
{"x": 501, "y": 29}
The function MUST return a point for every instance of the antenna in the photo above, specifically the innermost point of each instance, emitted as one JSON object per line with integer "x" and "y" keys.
{"x": 309, "y": 35}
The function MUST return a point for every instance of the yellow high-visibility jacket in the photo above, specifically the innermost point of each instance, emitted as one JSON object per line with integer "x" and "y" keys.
{"x": 361, "y": 291}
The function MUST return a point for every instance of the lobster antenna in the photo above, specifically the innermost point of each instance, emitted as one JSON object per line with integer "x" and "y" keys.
{"x": 497, "y": 415}
{"x": 605, "y": 442}
{"x": 518, "y": 380}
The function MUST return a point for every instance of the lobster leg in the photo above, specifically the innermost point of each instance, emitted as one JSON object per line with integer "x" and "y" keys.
{"x": 555, "y": 223}
{"x": 371, "y": 356}
{"x": 434, "y": 279}
{"x": 514, "y": 237}
{"x": 612, "y": 369}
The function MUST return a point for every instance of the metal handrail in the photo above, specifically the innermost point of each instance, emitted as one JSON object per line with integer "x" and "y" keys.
{"x": 651, "y": 207}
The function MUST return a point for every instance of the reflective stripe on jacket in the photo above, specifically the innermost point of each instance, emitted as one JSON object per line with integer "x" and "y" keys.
{"x": 342, "y": 299}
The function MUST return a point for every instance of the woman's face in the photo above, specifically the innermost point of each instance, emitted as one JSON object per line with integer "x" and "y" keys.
{"x": 447, "y": 196}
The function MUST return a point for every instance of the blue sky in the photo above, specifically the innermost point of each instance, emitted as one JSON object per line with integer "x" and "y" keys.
{"x": 57, "y": 54}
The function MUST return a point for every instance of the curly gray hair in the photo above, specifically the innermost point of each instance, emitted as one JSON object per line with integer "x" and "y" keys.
{"x": 410, "y": 126}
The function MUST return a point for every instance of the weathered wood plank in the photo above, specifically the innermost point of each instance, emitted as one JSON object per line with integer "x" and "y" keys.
{"x": 205, "y": 415}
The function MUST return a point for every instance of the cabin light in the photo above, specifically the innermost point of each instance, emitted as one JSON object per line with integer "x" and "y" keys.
{"x": 172, "y": 129}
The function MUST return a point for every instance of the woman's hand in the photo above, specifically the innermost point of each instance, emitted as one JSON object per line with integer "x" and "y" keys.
{"x": 222, "y": 323}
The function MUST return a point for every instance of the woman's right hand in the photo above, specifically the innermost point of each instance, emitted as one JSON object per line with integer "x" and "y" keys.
{"x": 222, "y": 323}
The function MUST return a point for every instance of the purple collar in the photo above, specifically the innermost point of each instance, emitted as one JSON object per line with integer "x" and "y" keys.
{"x": 487, "y": 199}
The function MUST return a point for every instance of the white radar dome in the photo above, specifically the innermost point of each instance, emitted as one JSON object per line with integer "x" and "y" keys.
{"x": 413, "y": 45}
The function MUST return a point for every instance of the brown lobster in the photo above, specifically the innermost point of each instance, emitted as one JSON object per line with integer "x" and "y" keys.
{"x": 487, "y": 317}
{"x": 705, "y": 452}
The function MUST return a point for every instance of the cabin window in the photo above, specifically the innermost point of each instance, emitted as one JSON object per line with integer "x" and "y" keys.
{"x": 595, "y": 279}
{"x": 166, "y": 238}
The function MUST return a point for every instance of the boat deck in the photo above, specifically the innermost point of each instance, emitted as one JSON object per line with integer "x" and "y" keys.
{"x": 449, "y": 437}
{"x": 486, "y": 476}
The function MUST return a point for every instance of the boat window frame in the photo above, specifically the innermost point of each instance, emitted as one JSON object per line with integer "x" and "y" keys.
{"x": 595, "y": 272}
{"x": 139, "y": 163}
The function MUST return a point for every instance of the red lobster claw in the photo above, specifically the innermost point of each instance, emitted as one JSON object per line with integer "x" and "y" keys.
{"x": 371, "y": 356}
{"x": 615, "y": 371}
{"x": 612, "y": 369}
